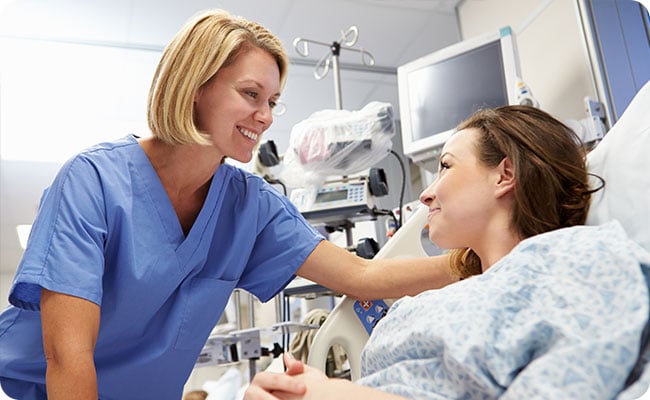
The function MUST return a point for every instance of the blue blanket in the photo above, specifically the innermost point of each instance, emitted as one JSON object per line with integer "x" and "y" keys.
{"x": 560, "y": 317}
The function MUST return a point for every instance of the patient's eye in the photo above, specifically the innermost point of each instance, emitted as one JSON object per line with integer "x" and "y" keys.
{"x": 443, "y": 166}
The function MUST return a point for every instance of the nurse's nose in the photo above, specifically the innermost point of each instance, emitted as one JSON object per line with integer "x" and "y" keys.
{"x": 264, "y": 114}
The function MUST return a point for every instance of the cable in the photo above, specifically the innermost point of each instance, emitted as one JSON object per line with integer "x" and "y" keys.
{"x": 533, "y": 16}
{"x": 274, "y": 181}
{"x": 401, "y": 194}
{"x": 390, "y": 213}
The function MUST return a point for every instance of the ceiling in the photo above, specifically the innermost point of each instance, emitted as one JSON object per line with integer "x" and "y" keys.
{"x": 393, "y": 31}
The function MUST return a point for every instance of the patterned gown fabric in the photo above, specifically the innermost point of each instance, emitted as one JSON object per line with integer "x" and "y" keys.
{"x": 561, "y": 316}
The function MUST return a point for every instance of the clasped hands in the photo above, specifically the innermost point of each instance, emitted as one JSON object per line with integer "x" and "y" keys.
{"x": 299, "y": 381}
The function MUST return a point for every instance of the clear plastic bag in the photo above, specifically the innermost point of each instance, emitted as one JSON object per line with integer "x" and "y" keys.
{"x": 338, "y": 142}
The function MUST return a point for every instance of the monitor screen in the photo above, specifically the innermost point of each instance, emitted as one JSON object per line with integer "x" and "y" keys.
{"x": 438, "y": 91}
{"x": 450, "y": 105}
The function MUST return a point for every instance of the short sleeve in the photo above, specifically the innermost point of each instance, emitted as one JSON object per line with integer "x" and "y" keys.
{"x": 65, "y": 249}
{"x": 283, "y": 243}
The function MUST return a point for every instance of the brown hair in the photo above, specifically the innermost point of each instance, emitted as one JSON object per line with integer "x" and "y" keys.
{"x": 196, "y": 395}
{"x": 207, "y": 42}
{"x": 552, "y": 188}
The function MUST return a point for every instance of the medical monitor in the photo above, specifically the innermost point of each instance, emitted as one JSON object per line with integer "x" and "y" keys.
{"x": 439, "y": 90}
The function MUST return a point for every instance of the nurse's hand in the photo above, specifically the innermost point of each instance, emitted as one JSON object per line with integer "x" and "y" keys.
{"x": 264, "y": 384}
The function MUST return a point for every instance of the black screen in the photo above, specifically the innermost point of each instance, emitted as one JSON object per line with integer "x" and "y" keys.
{"x": 445, "y": 93}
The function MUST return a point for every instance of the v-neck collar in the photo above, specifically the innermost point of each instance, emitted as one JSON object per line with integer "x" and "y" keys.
{"x": 185, "y": 245}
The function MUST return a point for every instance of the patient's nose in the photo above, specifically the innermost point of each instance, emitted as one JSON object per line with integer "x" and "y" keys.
{"x": 427, "y": 196}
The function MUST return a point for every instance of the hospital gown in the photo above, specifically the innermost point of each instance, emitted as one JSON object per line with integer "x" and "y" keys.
{"x": 560, "y": 317}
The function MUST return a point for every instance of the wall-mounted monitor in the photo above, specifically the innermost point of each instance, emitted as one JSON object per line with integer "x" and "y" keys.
{"x": 441, "y": 89}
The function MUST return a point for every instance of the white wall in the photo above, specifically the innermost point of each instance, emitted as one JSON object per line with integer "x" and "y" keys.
{"x": 552, "y": 52}
{"x": 5, "y": 283}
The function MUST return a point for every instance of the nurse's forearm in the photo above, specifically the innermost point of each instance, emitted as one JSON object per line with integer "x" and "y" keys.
{"x": 71, "y": 379}
{"x": 340, "y": 270}
{"x": 407, "y": 276}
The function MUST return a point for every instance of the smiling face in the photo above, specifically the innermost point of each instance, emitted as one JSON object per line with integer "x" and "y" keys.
{"x": 461, "y": 200}
{"x": 235, "y": 106}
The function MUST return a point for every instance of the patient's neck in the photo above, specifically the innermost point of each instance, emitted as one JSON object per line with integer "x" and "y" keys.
{"x": 496, "y": 246}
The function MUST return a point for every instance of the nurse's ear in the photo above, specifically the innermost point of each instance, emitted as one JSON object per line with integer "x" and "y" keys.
{"x": 506, "y": 180}
{"x": 199, "y": 91}
{"x": 197, "y": 94}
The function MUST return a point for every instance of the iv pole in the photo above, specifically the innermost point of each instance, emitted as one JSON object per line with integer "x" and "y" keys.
{"x": 347, "y": 40}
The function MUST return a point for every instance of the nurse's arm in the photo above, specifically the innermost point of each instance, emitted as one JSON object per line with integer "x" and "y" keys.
{"x": 70, "y": 328}
{"x": 338, "y": 269}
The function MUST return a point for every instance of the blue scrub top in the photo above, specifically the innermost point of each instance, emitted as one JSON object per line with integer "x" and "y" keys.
{"x": 107, "y": 232}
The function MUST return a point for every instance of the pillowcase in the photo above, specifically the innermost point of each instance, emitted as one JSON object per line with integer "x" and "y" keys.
{"x": 622, "y": 159}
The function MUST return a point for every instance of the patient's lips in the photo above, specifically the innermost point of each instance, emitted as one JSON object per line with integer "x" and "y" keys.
{"x": 432, "y": 212}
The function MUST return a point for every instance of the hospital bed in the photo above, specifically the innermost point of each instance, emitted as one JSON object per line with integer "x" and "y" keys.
{"x": 622, "y": 158}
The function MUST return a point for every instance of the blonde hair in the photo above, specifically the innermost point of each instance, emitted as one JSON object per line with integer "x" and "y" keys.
{"x": 208, "y": 41}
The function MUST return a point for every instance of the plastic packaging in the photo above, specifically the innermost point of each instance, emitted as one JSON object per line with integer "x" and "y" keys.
{"x": 338, "y": 142}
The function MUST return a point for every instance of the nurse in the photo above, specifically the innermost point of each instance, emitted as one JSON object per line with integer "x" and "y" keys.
{"x": 138, "y": 243}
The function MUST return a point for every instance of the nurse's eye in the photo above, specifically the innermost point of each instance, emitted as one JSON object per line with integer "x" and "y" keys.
{"x": 251, "y": 94}
{"x": 272, "y": 104}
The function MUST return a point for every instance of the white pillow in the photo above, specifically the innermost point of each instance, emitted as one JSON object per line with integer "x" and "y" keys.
{"x": 622, "y": 158}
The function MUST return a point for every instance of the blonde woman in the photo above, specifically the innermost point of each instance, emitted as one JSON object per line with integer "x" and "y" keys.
{"x": 139, "y": 243}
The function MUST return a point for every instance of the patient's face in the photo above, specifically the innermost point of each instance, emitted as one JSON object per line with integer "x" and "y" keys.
{"x": 461, "y": 199}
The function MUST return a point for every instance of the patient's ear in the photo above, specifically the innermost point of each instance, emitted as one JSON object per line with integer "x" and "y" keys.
{"x": 506, "y": 180}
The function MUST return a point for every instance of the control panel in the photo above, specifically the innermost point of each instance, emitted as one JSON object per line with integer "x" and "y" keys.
{"x": 370, "y": 312}
{"x": 335, "y": 200}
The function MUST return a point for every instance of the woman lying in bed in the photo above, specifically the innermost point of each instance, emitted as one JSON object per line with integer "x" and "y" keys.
{"x": 547, "y": 307}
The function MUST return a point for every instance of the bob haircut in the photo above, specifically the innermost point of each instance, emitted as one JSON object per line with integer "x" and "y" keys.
{"x": 206, "y": 43}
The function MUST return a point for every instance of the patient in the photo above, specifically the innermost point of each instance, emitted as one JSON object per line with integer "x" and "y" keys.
{"x": 540, "y": 312}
